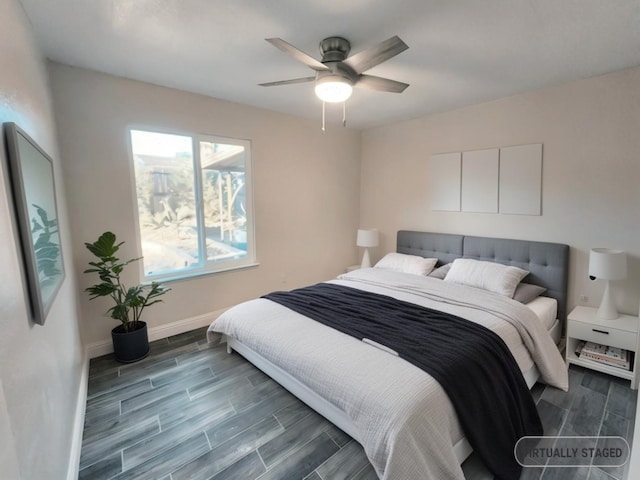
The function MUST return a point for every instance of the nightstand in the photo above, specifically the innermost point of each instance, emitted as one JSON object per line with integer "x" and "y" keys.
{"x": 621, "y": 332}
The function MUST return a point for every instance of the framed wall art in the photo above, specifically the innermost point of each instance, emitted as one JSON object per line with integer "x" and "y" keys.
{"x": 34, "y": 199}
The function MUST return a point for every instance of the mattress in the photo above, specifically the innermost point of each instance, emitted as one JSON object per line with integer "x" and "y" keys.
{"x": 384, "y": 396}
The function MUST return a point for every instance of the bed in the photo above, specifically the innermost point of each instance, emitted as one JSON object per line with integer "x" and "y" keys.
{"x": 385, "y": 411}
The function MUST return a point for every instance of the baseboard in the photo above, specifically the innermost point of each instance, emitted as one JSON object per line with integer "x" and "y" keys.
{"x": 97, "y": 349}
{"x": 78, "y": 423}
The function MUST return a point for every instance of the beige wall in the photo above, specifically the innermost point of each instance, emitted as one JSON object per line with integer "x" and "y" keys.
{"x": 306, "y": 188}
{"x": 591, "y": 173}
{"x": 40, "y": 366}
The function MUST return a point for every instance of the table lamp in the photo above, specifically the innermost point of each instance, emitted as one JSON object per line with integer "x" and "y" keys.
{"x": 607, "y": 264}
{"x": 367, "y": 238}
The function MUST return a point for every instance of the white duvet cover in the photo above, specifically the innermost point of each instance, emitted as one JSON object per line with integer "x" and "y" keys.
{"x": 404, "y": 419}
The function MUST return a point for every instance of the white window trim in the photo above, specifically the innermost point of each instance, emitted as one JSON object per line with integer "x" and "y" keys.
{"x": 208, "y": 268}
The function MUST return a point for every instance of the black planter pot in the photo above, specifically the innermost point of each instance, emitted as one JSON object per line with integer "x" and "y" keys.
{"x": 130, "y": 346}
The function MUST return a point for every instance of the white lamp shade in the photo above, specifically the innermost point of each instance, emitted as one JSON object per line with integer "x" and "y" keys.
{"x": 367, "y": 237}
{"x": 333, "y": 89}
{"x": 607, "y": 264}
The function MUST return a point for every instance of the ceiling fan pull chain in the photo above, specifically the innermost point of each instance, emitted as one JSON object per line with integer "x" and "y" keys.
{"x": 344, "y": 113}
{"x": 323, "y": 116}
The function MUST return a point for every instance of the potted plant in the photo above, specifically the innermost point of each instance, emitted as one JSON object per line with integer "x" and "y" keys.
{"x": 130, "y": 340}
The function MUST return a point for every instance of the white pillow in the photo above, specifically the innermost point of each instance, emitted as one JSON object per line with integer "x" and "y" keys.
{"x": 401, "y": 262}
{"x": 493, "y": 277}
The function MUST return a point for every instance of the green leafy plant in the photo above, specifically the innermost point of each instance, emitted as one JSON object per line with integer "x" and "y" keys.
{"x": 129, "y": 301}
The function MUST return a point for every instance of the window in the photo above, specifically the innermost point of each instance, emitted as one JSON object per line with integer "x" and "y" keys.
{"x": 194, "y": 203}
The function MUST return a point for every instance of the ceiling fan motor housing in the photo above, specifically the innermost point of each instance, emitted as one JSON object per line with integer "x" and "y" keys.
{"x": 334, "y": 49}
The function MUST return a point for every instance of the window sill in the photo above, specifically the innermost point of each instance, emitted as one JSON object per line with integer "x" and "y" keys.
{"x": 192, "y": 276}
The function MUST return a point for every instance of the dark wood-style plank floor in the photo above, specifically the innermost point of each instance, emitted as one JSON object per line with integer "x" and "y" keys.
{"x": 191, "y": 411}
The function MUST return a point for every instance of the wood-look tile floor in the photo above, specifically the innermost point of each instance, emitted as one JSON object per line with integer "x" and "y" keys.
{"x": 191, "y": 411}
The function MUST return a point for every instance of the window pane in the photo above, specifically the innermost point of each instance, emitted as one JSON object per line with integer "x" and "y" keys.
{"x": 224, "y": 200}
{"x": 166, "y": 201}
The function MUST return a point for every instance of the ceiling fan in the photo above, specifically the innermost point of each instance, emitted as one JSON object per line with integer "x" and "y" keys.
{"x": 337, "y": 73}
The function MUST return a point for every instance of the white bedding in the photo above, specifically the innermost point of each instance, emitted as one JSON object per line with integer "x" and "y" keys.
{"x": 546, "y": 309}
{"x": 404, "y": 419}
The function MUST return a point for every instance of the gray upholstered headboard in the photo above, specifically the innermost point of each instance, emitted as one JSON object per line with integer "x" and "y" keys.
{"x": 548, "y": 263}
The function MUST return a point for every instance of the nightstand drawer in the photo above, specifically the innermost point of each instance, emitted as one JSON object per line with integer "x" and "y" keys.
{"x": 602, "y": 334}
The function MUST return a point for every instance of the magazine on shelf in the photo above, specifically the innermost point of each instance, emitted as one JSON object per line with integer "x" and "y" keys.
{"x": 606, "y": 361}
{"x": 612, "y": 356}
{"x": 613, "y": 353}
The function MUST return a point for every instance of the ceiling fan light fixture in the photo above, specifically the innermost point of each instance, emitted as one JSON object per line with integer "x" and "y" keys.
{"x": 333, "y": 89}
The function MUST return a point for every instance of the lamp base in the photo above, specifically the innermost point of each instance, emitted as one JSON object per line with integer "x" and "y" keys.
{"x": 366, "y": 261}
{"x": 607, "y": 310}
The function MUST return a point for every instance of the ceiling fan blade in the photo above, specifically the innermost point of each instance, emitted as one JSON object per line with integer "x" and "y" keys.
{"x": 299, "y": 55}
{"x": 381, "y": 84}
{"x": 372, "y": 56}
{"x": 288, "y": 82}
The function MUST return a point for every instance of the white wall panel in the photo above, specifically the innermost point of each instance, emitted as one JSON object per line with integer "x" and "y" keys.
{"x": 480, "y": 181}
{"x": 444, "y": 182}
{"x": 521, "y": 179}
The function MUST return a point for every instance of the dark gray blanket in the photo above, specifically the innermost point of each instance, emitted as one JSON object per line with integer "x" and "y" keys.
{"x": 471, "y": 363}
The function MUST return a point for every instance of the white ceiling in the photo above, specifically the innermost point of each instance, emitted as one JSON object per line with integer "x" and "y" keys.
{"x": 460, "y": 52}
